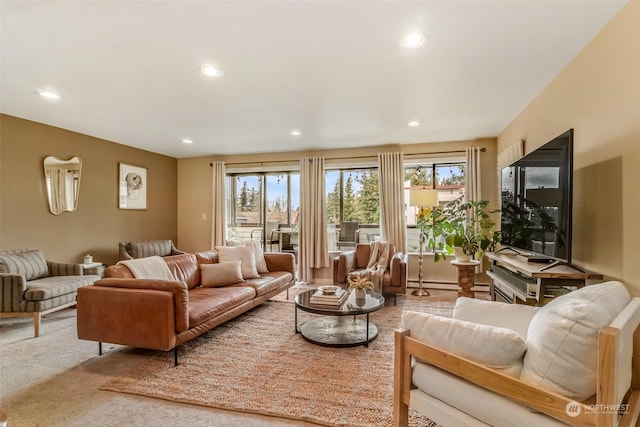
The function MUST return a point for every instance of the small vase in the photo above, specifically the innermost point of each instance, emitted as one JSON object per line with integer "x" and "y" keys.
{"x": 361, "y": 297}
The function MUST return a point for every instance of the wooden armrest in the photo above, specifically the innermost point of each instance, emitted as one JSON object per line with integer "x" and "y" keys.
{"x": 547, "y": 402}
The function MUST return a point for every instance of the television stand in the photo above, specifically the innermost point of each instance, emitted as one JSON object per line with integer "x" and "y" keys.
{"x": 516, "y": 280}
{"x": 538, "y": 259}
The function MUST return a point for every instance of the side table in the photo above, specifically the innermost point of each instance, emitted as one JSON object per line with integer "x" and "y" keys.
{"x": 94, "y": 268}
{"x": 466, "y": 277}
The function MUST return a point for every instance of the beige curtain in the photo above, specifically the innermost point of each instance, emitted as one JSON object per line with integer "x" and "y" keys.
{"x": 473, "y": 176}
{"x": 392, "y": 207}
{"x": 219, "y": 208}
{"x": 314, "y": 251}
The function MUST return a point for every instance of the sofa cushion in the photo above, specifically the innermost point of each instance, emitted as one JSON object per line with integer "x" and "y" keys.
{"x": 31, "y": 264}
{"x": 499, "y": 348}
{"x": 54, "y": 286}
{"x": 562, "y": 342}
{"x": 184, "y": 267}
{"x": 220, "y": 274}
{"x": 207, "y": 303}
{"x": 269, "y": 282}
{"x": 242, "y": 253}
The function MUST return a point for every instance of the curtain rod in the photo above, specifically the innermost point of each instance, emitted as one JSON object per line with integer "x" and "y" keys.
{"x": 482, "y": 149}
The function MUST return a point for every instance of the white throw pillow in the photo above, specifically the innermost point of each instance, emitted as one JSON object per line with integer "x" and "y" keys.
{"x": 498, "y": 348}
{"x": 493, "y": 313}
{"x": 256, "y": 247}
{"x": 220, "y": 274}
{"x": 242, "y": 253}
{"x": 562, "y": 342}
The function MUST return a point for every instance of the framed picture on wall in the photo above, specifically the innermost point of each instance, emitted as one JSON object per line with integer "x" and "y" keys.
{"x": 132, "y": 187}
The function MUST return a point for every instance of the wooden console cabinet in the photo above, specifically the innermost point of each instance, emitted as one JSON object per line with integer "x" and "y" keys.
{"x": 515, "y": 280}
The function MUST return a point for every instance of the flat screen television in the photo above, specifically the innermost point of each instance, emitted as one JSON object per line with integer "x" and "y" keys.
{"x": 537, "y": 196}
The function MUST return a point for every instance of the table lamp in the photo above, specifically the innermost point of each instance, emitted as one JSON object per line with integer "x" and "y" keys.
{"x": 421, "y": 198}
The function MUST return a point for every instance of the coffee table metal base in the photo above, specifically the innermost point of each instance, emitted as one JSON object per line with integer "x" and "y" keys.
{"x": 339, "y": 331}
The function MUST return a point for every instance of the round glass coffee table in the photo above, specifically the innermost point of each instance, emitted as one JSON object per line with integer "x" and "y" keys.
{"x": 339, "y": 327}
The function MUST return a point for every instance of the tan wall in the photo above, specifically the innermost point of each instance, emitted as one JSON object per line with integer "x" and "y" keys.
{"x": 598, "y": 94}
{"x": 97, "y": 225}
{"x": 195, "y": 188}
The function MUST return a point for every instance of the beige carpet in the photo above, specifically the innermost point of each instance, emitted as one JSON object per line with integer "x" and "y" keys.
{"x": 257, "y": 364}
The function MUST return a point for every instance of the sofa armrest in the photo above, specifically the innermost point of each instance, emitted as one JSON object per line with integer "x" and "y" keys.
{"x": 406, "y": 348}
{"x": 123, "y": 254}
{"x": 64, "y": 269}
{"x": 398, "y": 268}
{"x": 279, "y": 261}
{"x": 492, "y": 313}
{"x": 178, "y": 288}
{"x": 343, "y": 264}
{"x": 12, "y": 288}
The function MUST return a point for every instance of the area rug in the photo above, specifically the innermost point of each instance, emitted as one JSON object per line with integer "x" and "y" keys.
{"x": 257, "y": 363}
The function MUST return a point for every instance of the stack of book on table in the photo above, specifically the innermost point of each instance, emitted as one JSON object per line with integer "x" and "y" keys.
{"x": 334, "y": 300}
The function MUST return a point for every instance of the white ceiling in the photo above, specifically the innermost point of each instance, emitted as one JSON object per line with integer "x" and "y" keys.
{"x": 128, "y": 71}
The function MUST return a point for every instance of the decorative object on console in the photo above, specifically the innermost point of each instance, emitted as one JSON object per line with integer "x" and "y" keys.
{"x": 62, "y": 178}
{"x": 88, "y": 259}
{"x": 421, "y": 198}
{"x": 132, "y": 187}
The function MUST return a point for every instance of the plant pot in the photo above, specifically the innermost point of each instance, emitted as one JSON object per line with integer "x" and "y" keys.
{"x": 460, "y": 255}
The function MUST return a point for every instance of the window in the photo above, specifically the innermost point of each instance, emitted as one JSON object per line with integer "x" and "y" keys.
{"x": 447, "y": 178}
{"x": 261, "y": 199}
{"x": 352, "y": 195}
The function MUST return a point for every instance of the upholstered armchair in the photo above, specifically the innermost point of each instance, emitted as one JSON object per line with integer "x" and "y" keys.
{"x": 31, "y": 286}
{"x": 569, "y": 362}
{"x": 351, "y": 262}
{"x": 132, "y": 250}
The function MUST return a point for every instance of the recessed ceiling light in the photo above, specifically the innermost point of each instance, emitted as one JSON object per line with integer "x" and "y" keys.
{"x": 295, "y": 132}
{"x": 210, "y": 70}
{"x": 414, "y": 123}
{"x": 186, "y": 141}
{"x": 48, "y": 94}
{"x": 412, "y": 40}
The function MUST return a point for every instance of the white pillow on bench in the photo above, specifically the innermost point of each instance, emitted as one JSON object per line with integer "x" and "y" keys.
{"x": 562, "y": 341}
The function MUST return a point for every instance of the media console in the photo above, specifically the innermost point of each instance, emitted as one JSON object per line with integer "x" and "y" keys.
{"x": 517, "y": 281}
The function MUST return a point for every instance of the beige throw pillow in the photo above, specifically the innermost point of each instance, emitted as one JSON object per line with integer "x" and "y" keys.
{"x": 220, "y": 274}
{"x": 242, "y": 254}
{"x": 256, "y": 248}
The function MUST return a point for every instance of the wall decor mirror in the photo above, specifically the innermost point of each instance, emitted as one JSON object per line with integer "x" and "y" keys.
{"x": 62, "y": 178}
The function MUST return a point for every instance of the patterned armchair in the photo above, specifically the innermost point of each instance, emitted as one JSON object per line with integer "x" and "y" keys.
{"x": 31, "y": 286}
{"x": 132, "y": 250}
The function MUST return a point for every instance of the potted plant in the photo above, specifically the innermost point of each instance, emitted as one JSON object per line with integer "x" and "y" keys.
{"x": 470, "y": 229}
{"x": 435, "y": 226}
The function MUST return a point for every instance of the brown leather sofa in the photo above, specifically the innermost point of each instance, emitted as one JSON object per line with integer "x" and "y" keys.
{"x": 162, "y": 314}
{"x": 394, "y": 280}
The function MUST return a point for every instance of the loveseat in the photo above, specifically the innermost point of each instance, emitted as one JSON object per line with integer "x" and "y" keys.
{"x": 31, "y": 286}
{"x": 569, "y": 362}
{"x": 394, "y": 279}
{"x": 201, "y": 293}
{"x": 133, "y": 250}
